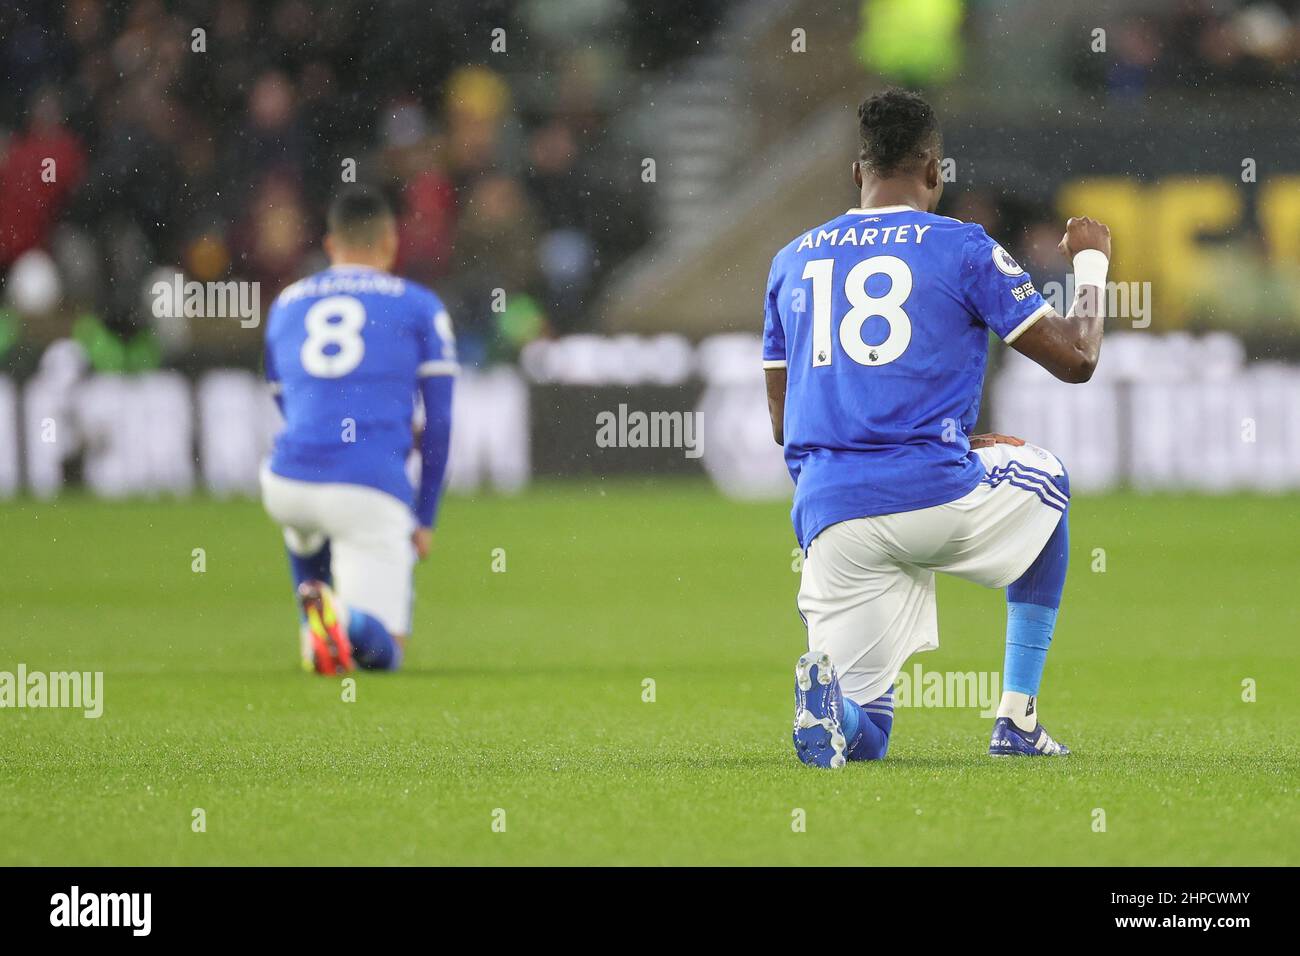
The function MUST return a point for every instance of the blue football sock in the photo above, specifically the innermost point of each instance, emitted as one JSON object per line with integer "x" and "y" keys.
{"x": 1044, "y": 581}
{"x": 867, "y": 727}
{"x": 372, "y": 645}
{"x": 1032, "y": 604}
{"x": 310, "y": 567}
{"x": 1029, "y": 635}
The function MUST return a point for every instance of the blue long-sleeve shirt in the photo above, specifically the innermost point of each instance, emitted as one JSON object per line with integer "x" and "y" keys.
{"x": 435, "y": 443}
{"x": 347, "y": 349}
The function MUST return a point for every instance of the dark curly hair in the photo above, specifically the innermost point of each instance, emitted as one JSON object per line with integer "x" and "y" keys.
{"x": 897, "y": 127}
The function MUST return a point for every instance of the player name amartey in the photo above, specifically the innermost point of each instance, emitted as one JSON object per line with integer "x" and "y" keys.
{"x": 863, "y": 236}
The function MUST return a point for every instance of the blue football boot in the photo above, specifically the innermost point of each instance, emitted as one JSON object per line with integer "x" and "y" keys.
{"x": 818, "y": 712}
{"x": 1010, "y": 741}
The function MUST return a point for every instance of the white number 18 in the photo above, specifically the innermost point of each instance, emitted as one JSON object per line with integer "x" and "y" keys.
{"x": 863, "y": 306}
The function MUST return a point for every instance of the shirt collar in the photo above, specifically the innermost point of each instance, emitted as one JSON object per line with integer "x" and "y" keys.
{"x": 880, "y": 209}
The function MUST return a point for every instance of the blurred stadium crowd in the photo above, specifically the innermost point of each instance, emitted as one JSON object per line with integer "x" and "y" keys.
{"x": 145, "y": 139}
{"x": 215, "y": 154}
{"x": 1198, "y": 44}
{"x": 133, "y": 148}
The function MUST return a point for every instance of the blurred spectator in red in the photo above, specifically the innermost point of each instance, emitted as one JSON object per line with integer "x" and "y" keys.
{"x": 38, "y": 173}
{"x": 427, "y": 225}
{"x": 427, "y": 211}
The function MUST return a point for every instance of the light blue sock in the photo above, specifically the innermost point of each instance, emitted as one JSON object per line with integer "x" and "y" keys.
{"x": 1029, "y": 635}
{"x": 1032, "y": 603}
{"x": 372, "y": 645}
{"x": 852, "y": 719}
{"x": 867, "y": 729}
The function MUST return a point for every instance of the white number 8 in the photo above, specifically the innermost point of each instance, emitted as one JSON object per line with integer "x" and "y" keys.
{"x": 863, "y": 306}
{"x": 345, "y": 333}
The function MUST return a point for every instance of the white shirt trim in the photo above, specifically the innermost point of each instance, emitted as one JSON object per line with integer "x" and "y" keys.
{"x": 773, "y": 363}
{"x": 880, "y": 209}
{"x": 437, "y": 367}
{"x": 1020, "y": 329}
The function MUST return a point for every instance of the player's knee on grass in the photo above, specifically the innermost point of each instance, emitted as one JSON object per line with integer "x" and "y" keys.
{"x": 373, "y": 646}
{"x": 872, "y": 748}
{"x": 1063, "y": 482}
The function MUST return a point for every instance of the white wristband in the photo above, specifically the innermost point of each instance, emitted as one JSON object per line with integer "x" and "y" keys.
{"x": 1090, "y": 268}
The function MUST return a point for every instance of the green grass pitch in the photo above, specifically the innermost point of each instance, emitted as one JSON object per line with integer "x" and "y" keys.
{"x": 523, "y": 692}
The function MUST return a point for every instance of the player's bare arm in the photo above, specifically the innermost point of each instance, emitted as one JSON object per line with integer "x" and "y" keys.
{"x": 422, "y": 539}
{"x": 1068, "y": 346}
{"x": 776, "y": 402}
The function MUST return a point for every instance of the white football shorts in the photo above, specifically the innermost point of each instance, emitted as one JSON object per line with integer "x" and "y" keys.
{"x": 371, "y": 553}
{"x": 867, "y": 591}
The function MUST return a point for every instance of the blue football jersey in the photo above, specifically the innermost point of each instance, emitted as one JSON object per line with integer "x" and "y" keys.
{"x": 345, "y": 349}
{"x": 881, "y": 318}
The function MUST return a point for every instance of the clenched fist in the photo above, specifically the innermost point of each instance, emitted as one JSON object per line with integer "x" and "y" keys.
{"x": 1084, "y": 233}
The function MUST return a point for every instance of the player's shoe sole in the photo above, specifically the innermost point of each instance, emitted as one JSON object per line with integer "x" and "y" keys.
{"x": 331, "y": 651}
{"x": 1008, "y": 740}
{"x": 818, "y": 712}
